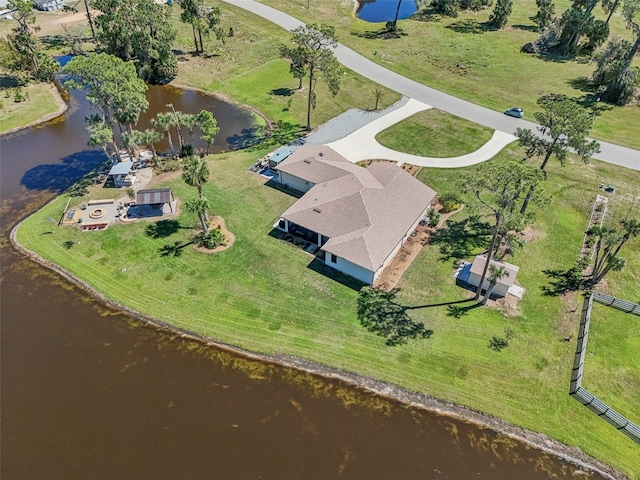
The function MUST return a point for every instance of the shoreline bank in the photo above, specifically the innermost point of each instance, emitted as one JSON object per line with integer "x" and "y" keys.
{"x": 62, "y": 107}
{"x": 385, "y": 390}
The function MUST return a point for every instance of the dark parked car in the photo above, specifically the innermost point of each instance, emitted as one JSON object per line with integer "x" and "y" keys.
{"x": 515, "y": 112}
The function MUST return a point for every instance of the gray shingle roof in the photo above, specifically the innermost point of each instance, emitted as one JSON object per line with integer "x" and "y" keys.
{"x": 365, "y": 211}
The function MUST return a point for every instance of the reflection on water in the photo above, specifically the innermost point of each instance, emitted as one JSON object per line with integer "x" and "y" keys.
{"x": 385, "y": 10}
{"x": 89, "y": 393}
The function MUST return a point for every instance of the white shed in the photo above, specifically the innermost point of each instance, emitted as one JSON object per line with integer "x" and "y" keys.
{"x": 503, "y": 285}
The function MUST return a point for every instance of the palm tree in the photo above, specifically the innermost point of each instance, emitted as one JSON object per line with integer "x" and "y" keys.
{"x": 208, "y": 126}
{"x": 188, "y": 120}
{"x": 132, "y": 141}
{"x": 195, "y": 173}
{"x": 150, "y": 137}
{"x": 199, "y": 206}
{"x": 377, "y": 94}
{"x": 164, "y": 121}
{"x": 495, "y": 274}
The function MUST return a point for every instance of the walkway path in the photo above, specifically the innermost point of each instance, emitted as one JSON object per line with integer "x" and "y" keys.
{"x": 614, "y": 154}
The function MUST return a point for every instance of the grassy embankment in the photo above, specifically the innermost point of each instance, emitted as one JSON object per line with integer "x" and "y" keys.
{"x": 265, "y": 295}
{"x": 40, "y": 102}
{"x": 461, "y": 57}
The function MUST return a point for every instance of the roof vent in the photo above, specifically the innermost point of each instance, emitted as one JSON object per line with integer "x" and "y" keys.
{"x": 306, "y": 160}
{"x": 320, "y": 154}
{"x": 317, "y": 210}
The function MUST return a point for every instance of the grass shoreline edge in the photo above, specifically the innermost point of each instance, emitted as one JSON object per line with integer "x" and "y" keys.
{"x": 386, "y": 390}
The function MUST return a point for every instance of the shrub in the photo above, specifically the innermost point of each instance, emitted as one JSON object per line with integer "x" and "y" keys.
{"x": 214, "y": 238}
{"x": 450, "y": 202}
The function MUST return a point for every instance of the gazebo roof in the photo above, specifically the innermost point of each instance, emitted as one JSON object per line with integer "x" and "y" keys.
{"x": 152, "y": 197}
{"x": 121, "y": 168}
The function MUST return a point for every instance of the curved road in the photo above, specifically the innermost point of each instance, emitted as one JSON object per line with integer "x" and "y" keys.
{"x": 610, "y": 153}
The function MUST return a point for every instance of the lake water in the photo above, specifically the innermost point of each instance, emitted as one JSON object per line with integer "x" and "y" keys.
{"x": 89, "y": 393}
{"x": 385, "y": 10}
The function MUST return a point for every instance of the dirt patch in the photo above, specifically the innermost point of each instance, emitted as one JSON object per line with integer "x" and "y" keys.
{"x": 509, "y": 305}
{"x": 392, "y": 273}
{"x": 530, "y": 234}
{"x": 229, "y": 238}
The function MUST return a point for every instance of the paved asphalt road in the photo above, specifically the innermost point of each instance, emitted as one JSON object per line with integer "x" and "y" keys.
{"x": 610, "y": 153}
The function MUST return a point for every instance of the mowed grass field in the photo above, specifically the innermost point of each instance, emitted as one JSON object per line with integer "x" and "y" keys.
{"x": 266, "y": 295}
{"x": 461, "y": 57}
{"x": 434, "y": 133}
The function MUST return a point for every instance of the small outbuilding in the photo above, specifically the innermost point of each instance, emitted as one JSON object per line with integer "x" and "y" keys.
{"x": 278, "y": 156}
{"x": 505, "y": 285}
{"x": 155, "y": 202}
{"x": 122, "y": 174}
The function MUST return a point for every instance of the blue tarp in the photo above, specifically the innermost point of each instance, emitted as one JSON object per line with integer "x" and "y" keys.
{"x": 121, "y": 168}
{"x": 279, "y": 155}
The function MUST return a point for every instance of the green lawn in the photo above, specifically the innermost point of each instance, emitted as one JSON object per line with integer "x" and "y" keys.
{"x": 39, "y": 103}
{"x": 264, "y": 294}
{"x": 434, "y": 133}
{"x": 459, "y": 57}
{"x": 248, "y": 68}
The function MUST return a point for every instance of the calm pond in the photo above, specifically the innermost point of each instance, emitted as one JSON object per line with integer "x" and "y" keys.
{"x": 88, "y": 393}
{"x": 385, "y": 10}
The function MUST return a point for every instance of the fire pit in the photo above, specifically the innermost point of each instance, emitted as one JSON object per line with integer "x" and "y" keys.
{"x": 97, "y": 213}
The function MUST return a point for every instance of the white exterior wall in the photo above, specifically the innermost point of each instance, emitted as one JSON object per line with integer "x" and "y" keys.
{"x": 500, "y": 290}
{"x": 349, "y": 268}
{"x": 294, "y": 182}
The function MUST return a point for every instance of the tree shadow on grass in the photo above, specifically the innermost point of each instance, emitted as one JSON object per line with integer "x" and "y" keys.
{"x": 526, "y": 28}
{"x": 173, "y": 250}
{"x": 563, "y": 281}
{"x": 427, "y": 15}
{"x": 379, "y": 313}
{"x": 592, "y": 98}
{"x": 461, "y": 239}
{"x": 281, "y": 92}
{"x": 470, "y": 25}
{"x": 162, "y": 228}
{"x": 457, "y": 311}
{"x": 386, "y": 33}
{"x": 53, "y": 41}
{"x": 247, "y": 138}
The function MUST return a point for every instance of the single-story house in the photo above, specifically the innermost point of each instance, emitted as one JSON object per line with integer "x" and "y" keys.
{"x": 157, "y": 198}
{"x": 359, "y": 217}
{"x": 122, "y": 174}
{"x": 504, "y": 284}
